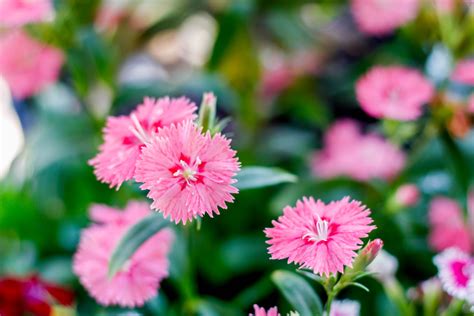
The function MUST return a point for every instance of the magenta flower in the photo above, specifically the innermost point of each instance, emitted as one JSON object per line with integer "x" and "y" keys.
{"x": 393, "y": 92}
{"x": 455, "y": 271}
{"x": 260, "y": 311}
{"x": 26, "y": 64}
{"x": 320, "y": 237}
{"x": 15, "y": 13}
{"x": 139, "y": 280}
{"x": 345, "y": 308}
{"x": 382, "y": 17}
{"x": 370, "y": 155}
{"x": 407, "y": 195}
{"x": 188, "y": 173}
{"x": 470, "y": 104}
{"x": 447, "y": 226}
{"x": 125, "y": 136}
{"x": 464, "y": 72}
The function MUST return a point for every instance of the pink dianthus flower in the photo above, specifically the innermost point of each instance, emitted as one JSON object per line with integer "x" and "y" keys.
{"x": 320, "y": 237}
{"x": 140, "y": 277}
{"x": 188, "y": 173}
{"x": 464, "y": 72}
{"x": 345, "y": 308}
{"x": 26, "y": 64}
{"x": 260, "y": 311}
{"x": 447, "y": 226}
{"x": 125, "y": 136}
{"x": 15, "y": 13}
{"x": 348, "y": 152}
{"x": 393, "y": 92}
{"x": 455, "y": 271}
{"x": 382, "y": 17}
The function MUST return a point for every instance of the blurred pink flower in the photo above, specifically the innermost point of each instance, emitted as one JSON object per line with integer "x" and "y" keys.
{"x": 407, "y": 195}
{"x": 445, "y": 6}
{"x": 15, "y": 13}
{"x": 447, "y": 226}
{"x": 320, "y": 237}
{"x": 125, "y": 136}
{"x": 382, "y": 17}
{"x": 393, "y": 92}
{"x": 345, "y": 308}
{"x": 188, "y": 173}
{"x": 455, "y": 271}
{"x": 260, "y": 311}
{"x": 470, "y": 104}
{"x": 140, "y": 278}
{"x": 26, "y": 64}
{"x": 370, "y": 155}
{"x": 464, "y": 72}
{"x": 133, "y": 213}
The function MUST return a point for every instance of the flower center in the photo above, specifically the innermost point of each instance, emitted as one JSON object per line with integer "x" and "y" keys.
{"x": 321, "y": 233}
{"x": 188, "y": 172}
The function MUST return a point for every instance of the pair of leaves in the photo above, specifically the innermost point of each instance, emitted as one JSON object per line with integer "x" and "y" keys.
{"x": 248, "y": 178}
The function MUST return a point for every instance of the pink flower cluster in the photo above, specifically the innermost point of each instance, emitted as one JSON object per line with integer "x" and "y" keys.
{"x": 140, "y": 278}
{"x": 348, "y": 152}
{"x": 15, "y": 13}
{"x": 447, "y": 226}
{"x": 464, "y": 72}
{"x": 26, "y": 64}
{"x": 393, "y": 92}
{"x": 320, "y": 237}
{"x": 382, "y": 17}
{"x": 188, "y": 173}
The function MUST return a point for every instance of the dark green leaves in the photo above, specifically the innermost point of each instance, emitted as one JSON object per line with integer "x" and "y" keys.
{"x": 259, "y": 177}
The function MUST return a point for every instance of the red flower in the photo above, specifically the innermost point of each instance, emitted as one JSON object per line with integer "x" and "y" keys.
{"x": 31, "y": 295}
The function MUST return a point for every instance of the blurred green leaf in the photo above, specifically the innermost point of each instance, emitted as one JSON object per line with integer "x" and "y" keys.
{"x": 259, "y": 177}
{"x": 298, "y": 292}
{"x": 134, "y": 238}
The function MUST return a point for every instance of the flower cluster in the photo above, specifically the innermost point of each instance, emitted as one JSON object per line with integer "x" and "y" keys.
{"x": 139, "y": 279}
{"x": 188, "y": 173}
{"x": 348, "y": 152}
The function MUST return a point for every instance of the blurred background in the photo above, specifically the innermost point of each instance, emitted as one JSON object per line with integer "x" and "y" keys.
{"x": 283, "y": 71}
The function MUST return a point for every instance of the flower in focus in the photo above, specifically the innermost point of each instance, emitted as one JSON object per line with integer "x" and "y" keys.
{"x": 447, "y": 226}
{"x": 188, "y": 173}
{"x": 32, "y": 296}
{"x": 393, "y": 92}
{"x": 376, "y": 17}
{"x": 345, "y": 308}
{"x": 455, "y": 271}
{"x": 125, "y": 136}
{"x": 260, "y": 311}
{"x": 407, "y": 195}
{"x": 370, "y": 155}
{"x": 384, "y": 266}
{"x": 26, "y": 64}
{"x": 464, "y": 72}
{"x": 139, "y": 279}
{"x": 15, "y": 13}
{"x": 320, "y": 237}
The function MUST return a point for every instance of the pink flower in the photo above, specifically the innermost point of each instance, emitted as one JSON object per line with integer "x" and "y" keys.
{"x": 407, "y": 195}
{"x": 470, "y": 104}
{"x": 464, "y": 72}
{"x": 393, "y": 92}
{"x": 27, "y": 65}
{"x": 320, "y": 237}
{"x": 370, "y": 155}
{"x": 125, "y": 136}
{"x": 381, "y": 17}
{"x": 455, "y": 271}
{"x": 19, "y": 12}
{"x": 188, "y": 173}
{"x": 140, "y": 278}
{"x": 133, "y": 213}
{"x": 445, "y": 6}
{"x": 345, "y": 308}
{"x": 260, "y": 311}
{"x": 447, "y": 226}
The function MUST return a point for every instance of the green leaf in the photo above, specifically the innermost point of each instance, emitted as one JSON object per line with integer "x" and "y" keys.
{"x": 258, "y": 177}
{"x": 359, "y": 285}
{"x": 298, "y": 292}
{"x": 134, "y": 238}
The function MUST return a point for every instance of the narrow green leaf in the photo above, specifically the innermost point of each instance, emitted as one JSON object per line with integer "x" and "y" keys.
{"x": 298, "y": 292}
{"x": 134, "y": 238}
{"x": 259, "y": 177}
{"x": 359, "y": 285}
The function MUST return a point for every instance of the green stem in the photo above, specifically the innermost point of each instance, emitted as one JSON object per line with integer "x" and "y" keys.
{"x": 331, "y": 297}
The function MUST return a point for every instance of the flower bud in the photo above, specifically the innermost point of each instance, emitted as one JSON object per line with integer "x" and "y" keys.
{"x": 207, "y": 111}
{"x": 367, "y": 255}
{"x": 407, "y": 195}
